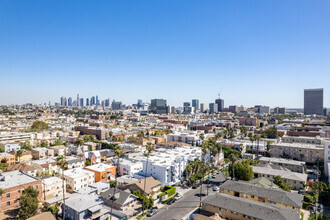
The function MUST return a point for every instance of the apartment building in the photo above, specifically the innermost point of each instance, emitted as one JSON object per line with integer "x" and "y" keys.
{"x": 74, "y": 162}
{"x": 102, "y": 172}
{"x": 237, "y": 208}
{"x": 327, "y": 158}
{"x": 78, "y": 178}
{"x": 52, "y": 187}
{"x": 46, "y": 167}
{"x": 298, "y": 151}
{"x": 189, "y": 137}
{"x": 167, "y": 166}
{"x": 41, "y": 153}
{"x": 128, "y": 167}
{"x": 98, "y": 132}
{"x": 249, "y": 121}
{"x": 260, "y": 194}
{"x": 297, "y": 180}
{"x": 14, "y": 183}
{"x": 302, "y": 139}
{"x": 11, "y": 137}
{"x": 13, "y": 147}
{"x": 7, "y": 158}
{"x": 293, "y": 165}
{"x": 23, "y": 167}
{"x": 93, "y": 156}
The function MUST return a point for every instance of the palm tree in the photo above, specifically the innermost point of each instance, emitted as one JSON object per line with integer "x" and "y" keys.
{"x": 64, "y": 165}
{"x": 225, "y": 133}
{"x": 252, "y": 139}
{"x": 204, "y": 152}
{"x": 19, "y": 153}
{"x": 110, "y": 134}
{"x": 233, "y": 158}
{"x": 218, "y": 136}
{"x": 257, "y": 138}
{"x": 118, "y": 152}
{"x": 149, "y": 148}
{"x": 219, "y": 150}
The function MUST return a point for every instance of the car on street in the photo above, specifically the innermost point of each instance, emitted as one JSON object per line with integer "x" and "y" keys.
{"x": 216, "y": 188}
{"x": 171, "y": 201}
{"x": 179, "y": 196}
{"x": 152, "y": 212}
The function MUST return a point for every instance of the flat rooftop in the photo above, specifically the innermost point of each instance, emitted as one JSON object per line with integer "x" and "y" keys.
{"x": 15, "y": 178}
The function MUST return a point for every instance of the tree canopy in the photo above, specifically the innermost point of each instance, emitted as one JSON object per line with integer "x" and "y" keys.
{"x": 39, "y": 126}
{"x": 28, "y": 203}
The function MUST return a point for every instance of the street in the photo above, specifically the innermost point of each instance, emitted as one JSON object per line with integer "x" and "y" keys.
{"x": 182, "y": 207}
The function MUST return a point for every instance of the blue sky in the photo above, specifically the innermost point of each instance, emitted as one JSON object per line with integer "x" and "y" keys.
{"x": 257, "y": 51}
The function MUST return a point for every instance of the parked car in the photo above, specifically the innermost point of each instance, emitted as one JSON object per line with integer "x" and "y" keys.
{"x": 171, "y": 201}
{"x": 152, "y": 212}
{"x": 216, "y": 188}
{"x": 178, "y": 197}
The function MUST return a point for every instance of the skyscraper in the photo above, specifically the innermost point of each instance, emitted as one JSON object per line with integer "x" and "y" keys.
{"x": 220, "y": 103}
{"x": 78, "y": 100}
{"x": 63, "y": 101}
{"x": 81, "y": 102}
{"x": 97, "y": 100}
{"x": 87, "y": 101}
{"x": 116, "y": 105}
{"x": 158, "y": 106}
{"x": 195, "y": 104}
{"x": 93, "y": 100}
{"x": 313, "y": 101}
{"x": 203, "y": 107}
{"x": 213, "y": 108}
{"x": 70, "y": 101}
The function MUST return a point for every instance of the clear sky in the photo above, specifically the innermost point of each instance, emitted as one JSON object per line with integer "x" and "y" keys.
{"x": 257, "y": 51}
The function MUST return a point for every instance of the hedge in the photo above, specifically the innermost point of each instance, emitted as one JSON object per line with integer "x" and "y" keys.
{"x": 171, "y": 191}
{"x": 161, "y": 194}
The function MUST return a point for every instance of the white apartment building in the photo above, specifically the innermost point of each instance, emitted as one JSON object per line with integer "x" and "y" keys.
{"x": 10, "y": 137}
{"x": 74, "y": 162}
{"x": 327, "y": 158}
{"x": 14, "y": 147}
{"x": 78, "y": 178}
{"x": 167, "y": 166}
{"x": 129, "y": 167}
{"x": 46, "y": 167}
{"x": 189, "y": 137}
{"x": 52, "y": 187}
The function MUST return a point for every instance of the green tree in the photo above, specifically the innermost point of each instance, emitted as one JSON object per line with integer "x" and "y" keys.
{"x": 54, "y": 210}
{"x": 28, "y": 203}
{"x": 149, "y": 148}
{"x": 19, "y": 153}
{"x": 87, "y": 163}
{"x": 44, "y": 144}
{"x": 243, "y": 170}
{"x": 39, "y": 126}
{"x": 278, "y": 180}
{"x": 244, "y": 130}
{"x": 2, "y": 148}
{"x": 25, "y": 146}
{"x": 2, "y": 191}
{"x": 271, "y": 132}
{"x": 232, "y": 158}
{"x": 58, "y": 142}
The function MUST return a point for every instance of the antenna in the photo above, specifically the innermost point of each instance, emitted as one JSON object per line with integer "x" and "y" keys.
{"x": 220, "y": 92}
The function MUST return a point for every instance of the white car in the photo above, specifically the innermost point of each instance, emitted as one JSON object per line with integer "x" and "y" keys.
{"x": 216, "y": 188}
{"x": 178, "y": 197}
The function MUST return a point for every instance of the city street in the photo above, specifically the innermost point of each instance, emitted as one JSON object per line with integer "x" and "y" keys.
{"x": 182, "y": 207}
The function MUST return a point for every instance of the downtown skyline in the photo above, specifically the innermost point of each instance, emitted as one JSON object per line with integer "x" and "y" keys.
{"x": 259, "y": 53}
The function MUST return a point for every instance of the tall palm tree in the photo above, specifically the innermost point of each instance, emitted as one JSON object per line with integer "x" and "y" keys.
{"x": 219, "y": 151}
{"x": 118, "y": 152}
{"x": 257, "y": 138}
{"x": 233, "y": 158}
{"x": 19, "y": 153}
{"x": 204, "y": 152}
{"x": 149, "y": 148}
{"x": 64, "y": 165}
{"x": 252, "y": 139}
{"x": 225, "y": 133}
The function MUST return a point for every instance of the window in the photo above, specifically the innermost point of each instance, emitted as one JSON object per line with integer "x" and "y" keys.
{"x": 8, "y": 203}
{"x": 8, "y": 195}
{"x": 36, "y": 187}
{"x": 260, "y": 199}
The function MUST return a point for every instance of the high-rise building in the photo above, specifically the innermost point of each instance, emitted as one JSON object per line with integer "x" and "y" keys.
{"x": 107, "y": 102}
{"x": 93, "y": 100}
{"x": 261, "y": 109}
{"x": 78, "y": 100}
{"x": 195, "y": 104}
{"x": 97, "y": 100}
{"x": 74, "y": 103}
{"x": 221, "y": 104}
{"x": 87, "y": 101}
{"x": 70, "y": 101}
{"x": 63, "y": 101}
{"x": 313, "y": 101}
{"x": 116, "y": 105}
{"x": 158, "y": 106}
{"x": 278, "y": 110}
{"x": 186, "y": 106}
{"x": 81, "y": 102}
{"x": 213, "y": 107}
{"x": 203, "y": 107}
{"x": 325, "y": 111}
{"x": 233, "y": 109}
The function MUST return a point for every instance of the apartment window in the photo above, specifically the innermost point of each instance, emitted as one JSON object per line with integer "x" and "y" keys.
{"x": 36, "y": 187}
{"x": 235, "y": 213}
{"x": 8, "y": 195}
{"x": 252, "y": 196}
{"x": 260, "y": 199}
{"x": 8, "y": 203}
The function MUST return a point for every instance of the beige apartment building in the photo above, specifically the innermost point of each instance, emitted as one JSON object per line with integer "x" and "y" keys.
{"x": 52, "y": 187}
{"x": 298, "y": 151}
